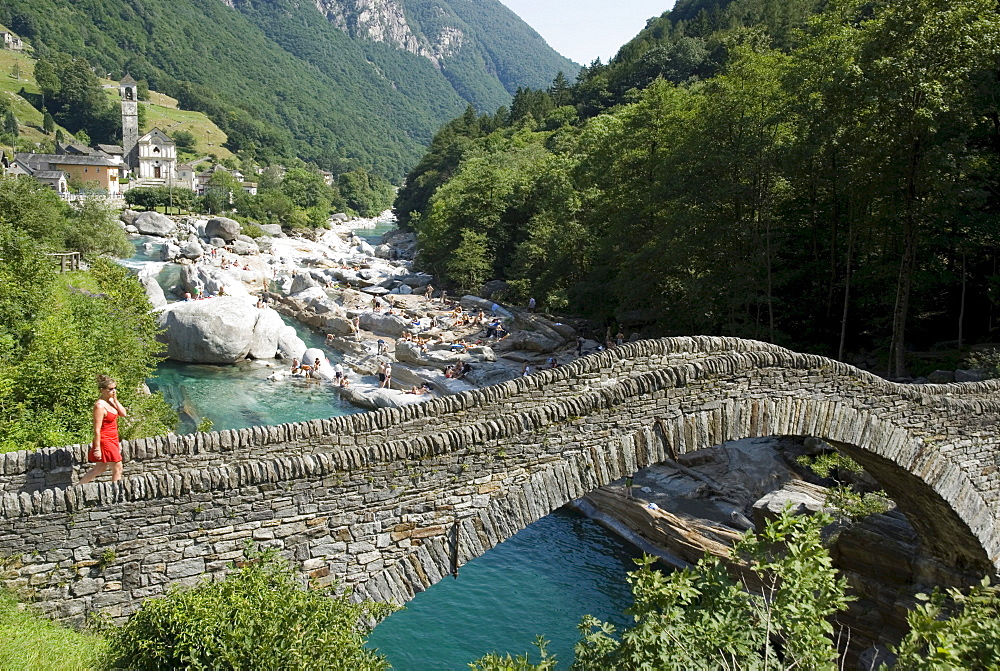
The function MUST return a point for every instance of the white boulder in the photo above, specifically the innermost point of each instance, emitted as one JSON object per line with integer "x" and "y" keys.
{"x": 268, "y": 332}
{"x": 476, "y": 303}
{"x": 219, "y": 330}
{"x": 154, "y": 223}
{"x": 169, "y": 251}
{"x": 244, "y": 248}
{"x": 191, "y": 250}
{"x": 153, "y": 290}
{"x": 211, "y": 279}
{"x": 378, "y": 322}
{"x": 222, "y": 227}
{"x": 274, "y": 230}
{"x": 289, "y": 342}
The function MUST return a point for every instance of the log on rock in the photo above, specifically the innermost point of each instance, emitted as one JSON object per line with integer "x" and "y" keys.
{"x": 686, "y": 538}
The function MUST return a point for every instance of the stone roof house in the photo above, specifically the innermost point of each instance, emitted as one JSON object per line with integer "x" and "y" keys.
{"x": 96, "y": 167}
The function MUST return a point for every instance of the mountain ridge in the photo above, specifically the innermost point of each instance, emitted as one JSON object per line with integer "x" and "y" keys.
{"x": 282, "y": 79}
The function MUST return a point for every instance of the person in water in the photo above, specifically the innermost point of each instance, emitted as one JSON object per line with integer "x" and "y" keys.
{"x": 105, "y": 448}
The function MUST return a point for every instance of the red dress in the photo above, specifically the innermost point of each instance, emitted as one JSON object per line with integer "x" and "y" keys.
{"x": 110, "y": 449}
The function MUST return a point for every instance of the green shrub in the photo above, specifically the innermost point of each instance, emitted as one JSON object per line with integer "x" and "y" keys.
{"x": 845, "y": 498}
{"x": 184, "y": 140}
{"x": 93, "y": 230}
{"x": 497, "y": 662}
{"x": 953, "y": 631}
{"x": 259, "y": 617}
{"x": 252, "y": 229}
{"x": 986, "y": 360}
{"x": 702, "y": 618}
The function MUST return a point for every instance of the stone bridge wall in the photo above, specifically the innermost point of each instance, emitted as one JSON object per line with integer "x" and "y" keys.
{"x": 55, "y": 466}
{"x": 390, "y": 501}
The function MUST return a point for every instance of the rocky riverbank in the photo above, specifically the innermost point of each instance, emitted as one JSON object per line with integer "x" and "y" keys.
{"x": 374, "y": 308}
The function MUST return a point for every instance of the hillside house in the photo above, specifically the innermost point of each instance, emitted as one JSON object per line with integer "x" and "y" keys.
{"x": 11, "y": 41}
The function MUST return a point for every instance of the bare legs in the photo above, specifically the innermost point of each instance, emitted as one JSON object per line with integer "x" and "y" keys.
{"x": 116, "y": 472}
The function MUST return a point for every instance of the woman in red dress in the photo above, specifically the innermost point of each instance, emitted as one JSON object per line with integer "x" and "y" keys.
{"x": 105, "y": 449}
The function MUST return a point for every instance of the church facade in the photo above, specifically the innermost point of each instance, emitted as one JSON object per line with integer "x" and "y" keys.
{"x": 157, "y": 160}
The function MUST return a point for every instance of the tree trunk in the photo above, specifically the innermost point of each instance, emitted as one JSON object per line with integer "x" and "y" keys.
{"x": 770, "y": 281}
{"x": 847, "y": 291}
{"x": 904, "y": 285}
{"x": 961, "y": 309}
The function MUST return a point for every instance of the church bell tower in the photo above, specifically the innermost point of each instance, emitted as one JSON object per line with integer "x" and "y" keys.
{"x": 128, "y": 88}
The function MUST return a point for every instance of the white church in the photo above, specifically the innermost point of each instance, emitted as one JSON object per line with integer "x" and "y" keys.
{"x": 152, "y": 157}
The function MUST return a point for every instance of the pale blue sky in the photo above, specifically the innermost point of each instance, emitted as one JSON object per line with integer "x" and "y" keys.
{"x": 583, "y": 30}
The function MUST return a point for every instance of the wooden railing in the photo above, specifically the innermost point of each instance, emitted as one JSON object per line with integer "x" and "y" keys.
{"x": 67, "y": 260}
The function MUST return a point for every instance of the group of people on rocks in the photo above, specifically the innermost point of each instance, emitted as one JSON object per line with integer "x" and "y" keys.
{"x": 495, "y": 329}
{"x": 197, "y": 293}
{"x": 458, "y": 370}
{"x": 226, "y": 264}
{"x": 311, "y": 371}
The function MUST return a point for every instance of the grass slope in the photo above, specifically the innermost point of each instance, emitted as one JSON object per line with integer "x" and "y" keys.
{"x": 17, "y": 72}
{"x": 31, "y": 643}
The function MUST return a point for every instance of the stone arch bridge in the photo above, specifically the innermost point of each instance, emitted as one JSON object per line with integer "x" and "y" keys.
{"x": 391, "y": 501}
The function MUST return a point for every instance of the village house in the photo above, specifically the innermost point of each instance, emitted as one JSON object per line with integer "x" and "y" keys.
{"x": 186, "y": 177}
{"x": 203, "y": 178}
{"x": 97, "y": 169}
{"x": 115, "y": 151}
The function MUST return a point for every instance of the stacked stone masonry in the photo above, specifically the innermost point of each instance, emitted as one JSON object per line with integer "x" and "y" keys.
{"x": 389, "y": 502}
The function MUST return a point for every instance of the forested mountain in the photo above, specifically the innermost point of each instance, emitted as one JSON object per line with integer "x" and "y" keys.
{"x": 820, "y": 175}
{"x": 356, "y": 84}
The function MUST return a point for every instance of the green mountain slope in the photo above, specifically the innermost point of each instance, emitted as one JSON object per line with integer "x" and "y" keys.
{"x": 498, "y": 41}
{"x": 281, "y": 79}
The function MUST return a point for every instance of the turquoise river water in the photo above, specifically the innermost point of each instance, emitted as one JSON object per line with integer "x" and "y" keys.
{"x": 540, "y": 582}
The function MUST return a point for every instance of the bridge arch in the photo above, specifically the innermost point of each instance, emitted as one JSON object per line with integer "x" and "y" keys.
{"x": 390, "y": 501}
{"x": 894, "y": 460}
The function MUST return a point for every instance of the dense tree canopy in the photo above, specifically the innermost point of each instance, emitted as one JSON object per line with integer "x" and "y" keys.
{"x": 73, "y": 95}
{"x": 830, "y": 187}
